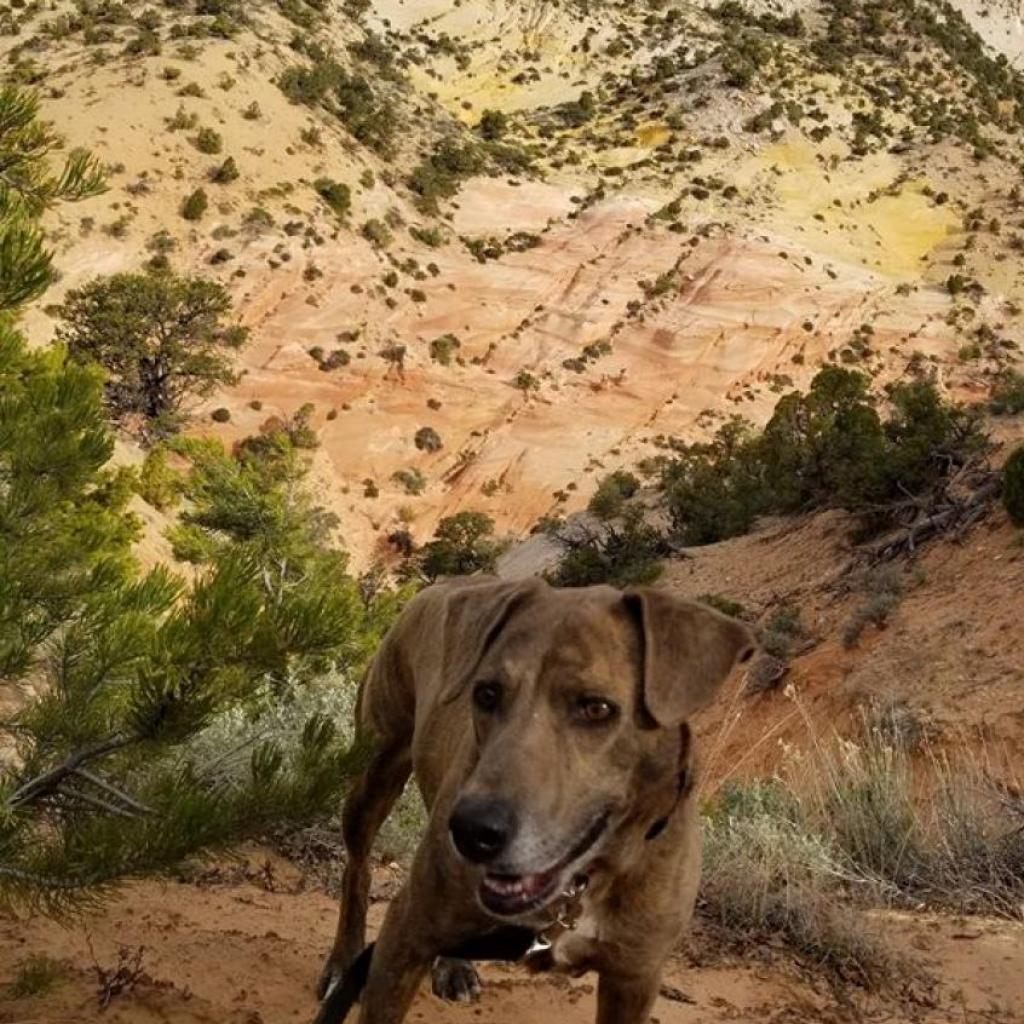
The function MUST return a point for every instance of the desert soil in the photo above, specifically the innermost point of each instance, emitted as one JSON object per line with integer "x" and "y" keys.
{"x": 242, "y": 944}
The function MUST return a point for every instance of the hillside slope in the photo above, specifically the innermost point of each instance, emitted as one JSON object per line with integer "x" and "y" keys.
{"x": 685, "y": 213}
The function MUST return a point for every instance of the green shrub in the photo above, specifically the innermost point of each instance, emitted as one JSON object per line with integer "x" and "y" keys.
{"x": 1013, "y": 486}
{"x": 828, "y": 447}
{"x": 612, "y": 493}
{"x": 779, "y": 633}
{"x": 412, "y": 480}
{"x": 443, "y": 349}
{"x": 335, "y": 194}
{"x": 195, "y": 205}
{"x": 226, "y": 173}
{"x": 433, "y": 236}
{"x": 493, "y": 125}
{"x": 625, "y": 553}
{"x": 377, "y": 232}
{"x": 439, "y": 175}
{"x": 208, "y": 140}
{"x": 724, "y": 605}
{"x": 463, "y": 543}
{"x": 428, "y": 439}
{"x": 526, "y": 382}
{"x": 159, "y": 484}
{"x": 35, "y": 977}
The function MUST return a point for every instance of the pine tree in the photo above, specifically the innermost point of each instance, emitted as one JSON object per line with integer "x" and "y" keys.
{"x": 28, "y": 187}
{"x": 116, "y": 674}
{"x": 160, "y": 338}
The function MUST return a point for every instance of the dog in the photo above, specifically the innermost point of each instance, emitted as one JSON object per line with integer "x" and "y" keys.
{"x": 548, "y": 732}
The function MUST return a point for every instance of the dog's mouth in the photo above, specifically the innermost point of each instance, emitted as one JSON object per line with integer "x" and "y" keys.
{"x": 508, "y": 895}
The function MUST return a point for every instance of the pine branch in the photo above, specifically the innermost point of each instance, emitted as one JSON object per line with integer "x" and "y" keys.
{"x": 49, "y": 782}
{"x": 44, "y": 882}
{"x": 102, "y": 783}
{"x": 80, "y": 797}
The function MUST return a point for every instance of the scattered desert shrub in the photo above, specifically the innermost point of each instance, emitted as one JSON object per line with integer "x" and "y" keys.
{"x": 612, "y": 493}
{"x": 432, "y": 236}
{"x": 724, "y": 605}
{"x": 35, "y": 977}
{"x": 195, "y": 205}
{"x": 411, "y": 479}
{"x": 493, "y": 125}
{"x": 526, "y": 382}
{"x": 428, "y": 440}
{"x": 443, "y": 349}
{"x": 336, "y": 194}
{"x": 226, "y": 173}
{"x": 439, "y": 175}
{"x": 223, "y": 752}
{"x": 377, "y": 232}
{"x": 209, "y": 141}
{"x": 368, "y": 117}
{"x": 781, "y": 631}
{"x": 882, "y": 590}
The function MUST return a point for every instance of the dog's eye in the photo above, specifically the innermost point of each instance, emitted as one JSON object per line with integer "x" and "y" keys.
{"x": 487, "y": 696}
{"x": 595, "y": 710}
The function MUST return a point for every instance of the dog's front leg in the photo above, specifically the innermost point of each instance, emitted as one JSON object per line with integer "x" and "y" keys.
{"x": 626, "y": 998}
{"x": 401, "y": 959}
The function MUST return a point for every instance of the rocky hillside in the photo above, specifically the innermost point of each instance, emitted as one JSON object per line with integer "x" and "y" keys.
{"x": 552, "y": 233}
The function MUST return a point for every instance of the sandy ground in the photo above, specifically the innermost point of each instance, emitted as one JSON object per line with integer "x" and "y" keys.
{"x": 245, "y": 950}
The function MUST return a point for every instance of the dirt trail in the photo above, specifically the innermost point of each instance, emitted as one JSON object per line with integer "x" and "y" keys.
{"x": 245, "y": 949}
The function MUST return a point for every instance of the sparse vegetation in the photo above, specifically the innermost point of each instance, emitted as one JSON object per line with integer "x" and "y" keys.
{"x": 335, "y": 194}
{"x": 208, "y": 141}
{"x": 36, "y": 976}
{"x": 428, "y": 439}
{"x": 612, "y": 493}
{"x": 195, "y": 205}
{"x": 439, "y": 175}
{"x": 443, "y": 349}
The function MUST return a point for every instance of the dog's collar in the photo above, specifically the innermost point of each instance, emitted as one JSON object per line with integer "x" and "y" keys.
{"x": 659, "y": 826}
{"x": 567, "y": 910}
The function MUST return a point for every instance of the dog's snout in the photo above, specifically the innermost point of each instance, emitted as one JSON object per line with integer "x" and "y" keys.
{"x": 482, "y": 828}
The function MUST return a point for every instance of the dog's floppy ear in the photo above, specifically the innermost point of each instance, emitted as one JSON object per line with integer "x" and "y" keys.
{"x": 688, "y": 651}
{"x": 474, "y": 615}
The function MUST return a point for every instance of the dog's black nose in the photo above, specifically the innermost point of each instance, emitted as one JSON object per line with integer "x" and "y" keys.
{"x": 482, "y": 828}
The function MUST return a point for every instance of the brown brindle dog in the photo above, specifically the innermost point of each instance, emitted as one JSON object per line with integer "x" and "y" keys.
{"x": 548, "y": 733}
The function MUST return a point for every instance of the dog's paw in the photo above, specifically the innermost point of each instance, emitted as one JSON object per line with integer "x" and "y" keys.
{"x": 455, "y": 980}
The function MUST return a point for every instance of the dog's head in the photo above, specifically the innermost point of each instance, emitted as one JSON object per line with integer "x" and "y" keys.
{"x": 579, "y": 701}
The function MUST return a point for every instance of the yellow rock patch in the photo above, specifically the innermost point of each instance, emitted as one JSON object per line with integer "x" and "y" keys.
{"x": 890, "y": 234}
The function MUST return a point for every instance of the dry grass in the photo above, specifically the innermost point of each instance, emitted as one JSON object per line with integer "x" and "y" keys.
{"x": 887, "y": 821}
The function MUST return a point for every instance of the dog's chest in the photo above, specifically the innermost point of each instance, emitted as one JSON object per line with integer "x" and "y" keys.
{"x": 575, "y": 951}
